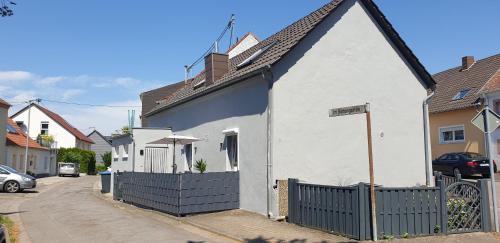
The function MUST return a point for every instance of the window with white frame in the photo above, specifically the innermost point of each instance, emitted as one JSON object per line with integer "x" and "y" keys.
{"x": 188, "y": 156}
{"x": 125, "y": 152}
{"x": 232, "y": 151}
{"x": 452, "y": 134}
{"x": 44, "y": 128}
{"x": 115, "y": 153}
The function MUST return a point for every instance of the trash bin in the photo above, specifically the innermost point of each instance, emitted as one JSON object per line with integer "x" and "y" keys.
{"x": 105, "y": 181}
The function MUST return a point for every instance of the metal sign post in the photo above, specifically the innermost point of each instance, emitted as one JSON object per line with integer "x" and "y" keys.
{"x": 360, "y": 109}
{"x": 487, "y": 133}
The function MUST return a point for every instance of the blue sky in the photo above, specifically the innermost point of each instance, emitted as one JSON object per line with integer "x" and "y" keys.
{"x": 107, "y": 52}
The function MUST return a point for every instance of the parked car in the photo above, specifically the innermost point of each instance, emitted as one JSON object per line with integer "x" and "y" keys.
{"x": 3, "y": 238}
{"x": 464, "y": 163}
{"x": 71, "y": 169}
{"x": 13, "y": 181}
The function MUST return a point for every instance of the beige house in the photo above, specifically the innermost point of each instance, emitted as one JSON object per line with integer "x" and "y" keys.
{"x": 461, "y": 92}
{"x": 4, "y": 110}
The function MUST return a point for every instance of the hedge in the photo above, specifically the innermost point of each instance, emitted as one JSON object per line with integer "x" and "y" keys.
{"x": 85, "y": 158}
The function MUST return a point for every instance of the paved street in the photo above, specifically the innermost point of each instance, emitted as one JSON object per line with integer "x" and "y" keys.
{"x": 69, "y": 211}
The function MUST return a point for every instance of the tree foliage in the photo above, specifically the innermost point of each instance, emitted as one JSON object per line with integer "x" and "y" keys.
{"x": 85, "y": 158}
{"x": 5, "y": 8}
{"x": 106, "y": 158}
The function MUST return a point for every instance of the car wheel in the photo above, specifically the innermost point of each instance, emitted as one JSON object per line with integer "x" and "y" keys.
{"x": 12, "y": 187}
{"x": 456, "y": 172}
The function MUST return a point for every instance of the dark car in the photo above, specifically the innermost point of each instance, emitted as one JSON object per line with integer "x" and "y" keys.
{"x": 464, "y": 163}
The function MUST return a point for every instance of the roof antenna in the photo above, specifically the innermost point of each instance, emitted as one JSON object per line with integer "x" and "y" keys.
{"x": 232, "y": 22}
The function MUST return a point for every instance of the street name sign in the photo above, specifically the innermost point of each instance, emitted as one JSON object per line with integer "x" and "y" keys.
{"x": 349, "y": 110}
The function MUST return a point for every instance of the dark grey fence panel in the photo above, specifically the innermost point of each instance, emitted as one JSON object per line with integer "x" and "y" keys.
{"x": 412, "y": 210}
{"x": 179, "y": 194}
{"x": 330, "y": 208}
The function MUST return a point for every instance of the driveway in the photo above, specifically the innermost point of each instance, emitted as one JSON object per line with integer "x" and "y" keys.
{"x": 69, "y": 211}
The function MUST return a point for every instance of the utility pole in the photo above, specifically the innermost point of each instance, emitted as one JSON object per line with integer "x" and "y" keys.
{"x": 30, "y": 103}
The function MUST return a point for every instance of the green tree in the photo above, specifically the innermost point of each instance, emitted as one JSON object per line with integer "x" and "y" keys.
{"x": 5, "y": 10}
{"x": 106, "y": 158}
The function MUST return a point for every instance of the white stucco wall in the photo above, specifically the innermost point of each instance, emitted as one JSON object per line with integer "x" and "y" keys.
{"x": 141, "y": 137}
{"x": 3, "y": 133}
{"x": 63, "y": 138}
{"x": 347, "y": 61}
{"x": 242, "y": 106}
{"x": 41, "y": 159}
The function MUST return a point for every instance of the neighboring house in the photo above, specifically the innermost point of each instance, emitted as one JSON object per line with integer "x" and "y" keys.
{"x": 460, "y": 94}
{"x": 41, "y": 161}
{"x": 150, "y": 98}
{"x": 44, "y": 121}
{"x": 265, "y": 112}
{"x": 131, "y": 152}
{"x": 4, "y": 111}
{"x": 101, "y": 145}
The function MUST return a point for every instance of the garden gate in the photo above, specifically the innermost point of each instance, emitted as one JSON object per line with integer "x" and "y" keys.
{"x": 465, "y": 208}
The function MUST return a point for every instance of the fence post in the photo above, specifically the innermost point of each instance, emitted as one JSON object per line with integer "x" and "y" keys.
{"x": 459, "y": 177}
{"x": 444, "y": 211}
{"x": 293, "y": 198}
{"x": 485, "y": 205}
{"x": 361, "y": 209}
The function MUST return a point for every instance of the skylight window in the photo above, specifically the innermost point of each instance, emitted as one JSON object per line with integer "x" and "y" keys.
{"x": 199, "y": 84}
{"x": 11, "y": 129}
{"x": 255, "y": 55}
{"x": 461, "y": 94}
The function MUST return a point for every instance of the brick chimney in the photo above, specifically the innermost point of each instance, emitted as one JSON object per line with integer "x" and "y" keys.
{"x": 467, "y": 61}
{"x": 216, "y": 65}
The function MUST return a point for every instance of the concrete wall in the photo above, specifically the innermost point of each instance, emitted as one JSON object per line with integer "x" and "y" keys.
{"x": 347, "y": 61}
{"x": 142, "y": 136}
{"x": 122, "y": 161}
{"x": 63, "y": 138}
{"x": 474, "y": 139}
{"x": 3, "y": 133}
{"x": 242, "y": 106}
{"x": 100, "y": 146}
{"x": 40, "y": 159}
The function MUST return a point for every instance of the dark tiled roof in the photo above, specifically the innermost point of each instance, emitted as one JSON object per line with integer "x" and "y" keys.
{"x": 57, "y": 118}
{"x": 149, "y": 98}
{"x": 285, "y": 40}
{"x": 454, "y": 80}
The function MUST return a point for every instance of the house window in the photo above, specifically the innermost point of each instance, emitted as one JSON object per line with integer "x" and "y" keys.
{"x": 452, "y": 134}
{"x": 115, "y": 153}
{"x": 125, "y": 152}
{"x": 461, "y": 94}
{"x": 188, "y": 156}
{"x": 232, "y": 151}
{"x": 44, "y": 128}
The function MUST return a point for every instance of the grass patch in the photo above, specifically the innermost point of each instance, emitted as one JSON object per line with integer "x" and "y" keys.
{"x": 11, "y": 227}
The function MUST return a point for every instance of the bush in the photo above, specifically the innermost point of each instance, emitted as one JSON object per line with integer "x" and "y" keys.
{"x": 85, "y": 158}
{"x": 200, "y": 165}
{"x": 106, "y": 158}
{"x": 101, "y": 168}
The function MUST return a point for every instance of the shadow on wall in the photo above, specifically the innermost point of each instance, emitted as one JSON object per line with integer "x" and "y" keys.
{"x": 243, "y": 99}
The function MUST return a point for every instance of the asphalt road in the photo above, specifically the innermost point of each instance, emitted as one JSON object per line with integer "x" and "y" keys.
{"x": 70, "y": 211}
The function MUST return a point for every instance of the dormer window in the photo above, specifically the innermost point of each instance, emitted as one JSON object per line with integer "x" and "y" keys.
{"x": 199, "y": 84}
{"x": 461, "y": 94}
{"x": 255, "y": 55}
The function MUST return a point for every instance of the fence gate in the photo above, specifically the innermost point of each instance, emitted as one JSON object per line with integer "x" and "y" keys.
{"x": 464, "y": 208}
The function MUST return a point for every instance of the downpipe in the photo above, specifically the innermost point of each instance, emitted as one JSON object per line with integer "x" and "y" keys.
{"x": 267, "y": 75}
{"x": 427, "y": 142}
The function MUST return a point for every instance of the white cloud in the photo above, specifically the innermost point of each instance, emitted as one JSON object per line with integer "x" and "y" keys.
{"x": 23, "y": 96}
{"x": 71, "y": 93}
{"x": 105, "y": 119}
{"x": 12, "y": 76}
{"x": 49, "y": 80}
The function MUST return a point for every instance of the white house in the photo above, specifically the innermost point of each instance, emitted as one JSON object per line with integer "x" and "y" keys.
{"x": 41, "y": 160}
{"x": 265, "y": 112}
{"x": 46, "y": 122}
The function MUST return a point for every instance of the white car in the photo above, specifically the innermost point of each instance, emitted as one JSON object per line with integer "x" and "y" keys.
{"x": 71, "y": 169}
